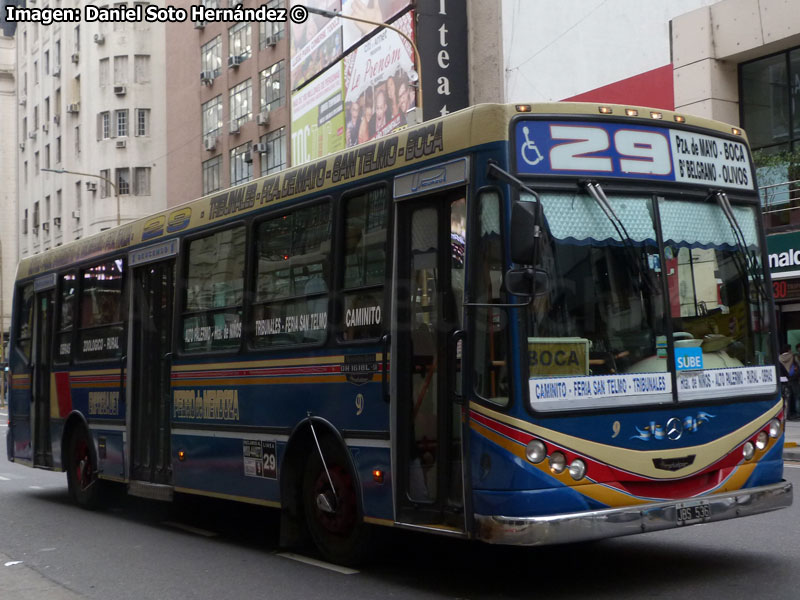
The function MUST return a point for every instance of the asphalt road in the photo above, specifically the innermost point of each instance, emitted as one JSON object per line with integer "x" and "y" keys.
{"x": 51, "y": 550}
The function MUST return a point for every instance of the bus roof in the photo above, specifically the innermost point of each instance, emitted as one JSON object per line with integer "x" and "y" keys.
{"x": 474, "y": 126}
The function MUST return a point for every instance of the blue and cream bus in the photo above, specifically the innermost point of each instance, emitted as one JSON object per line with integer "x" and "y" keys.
{"x": 522, "y": 324}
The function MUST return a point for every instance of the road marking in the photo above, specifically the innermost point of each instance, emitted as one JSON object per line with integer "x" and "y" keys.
{"x": 4, "y": 478}
{"x": 190, "y": 529}
{"x": 318, "y": 563}
{"x": 791, "y": 466}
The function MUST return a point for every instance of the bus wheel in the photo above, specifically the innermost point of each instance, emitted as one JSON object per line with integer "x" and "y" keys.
{"x": 332, "y": 514}
{"x": 81, "y": 471}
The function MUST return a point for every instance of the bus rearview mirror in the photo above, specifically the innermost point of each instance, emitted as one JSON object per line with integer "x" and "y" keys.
{"x": 523, "y": 227}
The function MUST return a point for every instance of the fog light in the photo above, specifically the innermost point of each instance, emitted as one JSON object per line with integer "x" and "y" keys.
{"x": 774, "y": 428}
{"x": 577, "y": 469}
{"x": 535, "y": 451}
{"x": 558, "y": 462}
{"x": 748, "y": 450}
{"x": 761, "y": 440}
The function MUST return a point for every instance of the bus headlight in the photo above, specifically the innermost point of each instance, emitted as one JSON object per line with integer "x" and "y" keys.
{"x": 748, "y": 450}
{"x": 774, "y": 428}
{"x": 536, "y": 451}
{"x": 558, "y": 462}
{"x": 577, "y": 469}
{"x": 761, "y": 440}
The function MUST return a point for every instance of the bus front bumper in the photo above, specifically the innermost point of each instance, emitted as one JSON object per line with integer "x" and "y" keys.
{"x": 614, "y": 522}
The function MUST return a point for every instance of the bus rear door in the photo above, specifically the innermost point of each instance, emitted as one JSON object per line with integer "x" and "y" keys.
{"x": 426, "y": 333}
{"x": 151, "y": 363}
{"x": 44, "y": 288}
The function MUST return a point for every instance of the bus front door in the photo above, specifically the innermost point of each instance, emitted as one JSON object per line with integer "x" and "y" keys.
{"x": 43, "y": 331}
{"x": 426, "y": 360}
{"x": 153, "y": 299}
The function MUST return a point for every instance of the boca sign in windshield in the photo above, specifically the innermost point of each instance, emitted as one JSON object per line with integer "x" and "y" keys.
{"x": 586, "y": 148}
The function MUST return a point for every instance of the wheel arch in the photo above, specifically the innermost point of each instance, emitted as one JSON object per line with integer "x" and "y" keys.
{"x": 299, "y": 448}
{"x": 75, "y": 421}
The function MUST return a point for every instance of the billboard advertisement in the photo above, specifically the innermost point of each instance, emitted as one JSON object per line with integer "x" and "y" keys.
{"x": 378, "y": 84}
{"x": 379, "y": 11}
{"x": 360, "y": 98}
{"x": 318, "y": 117}
{"x": 316, "y": 42}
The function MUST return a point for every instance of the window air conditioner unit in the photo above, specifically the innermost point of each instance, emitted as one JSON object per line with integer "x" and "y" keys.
{"x": 120, "y": 90}
{"x": 199, "y": 24}
{"x": 234, "y": 127}
{"x": 23, "y": 101}
{"x": 207, "y": 77}
{"x": 32, "y": 134}
{"x": 22, "y": 146}
{"x": 57, "y": 221}
{"x": 76, "y": 214}
{"x": 57, "y": 119}
{"x": 210, "y": 143}
{"x": 248, "y": 156}
{"x": 235, "y": 61}
{"x": 263, "y": 118}
{"x": 73, "y": 108}
{"x": 57, "y": 71}
{"x": 271, "y": 41}
{"x": 45, "y": 127}
{"x": 76, "y": 57}
{"x": 260, "y": 147}
{"x": 91, "y": 186}
{"x": 99, "y": 38}
{"x": 122, "y": 143}
{"x": 46, "y": 226}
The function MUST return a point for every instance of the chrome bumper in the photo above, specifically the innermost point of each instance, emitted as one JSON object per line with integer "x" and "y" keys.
{"x": 613, "y": 522}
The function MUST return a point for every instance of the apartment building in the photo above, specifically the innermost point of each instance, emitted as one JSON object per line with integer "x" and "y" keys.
{"x": 227, "y": 111}
{"x": 91, "y": 134}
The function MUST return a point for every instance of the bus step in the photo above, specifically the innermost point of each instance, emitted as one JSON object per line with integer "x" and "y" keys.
{"x": 151, "y": 491}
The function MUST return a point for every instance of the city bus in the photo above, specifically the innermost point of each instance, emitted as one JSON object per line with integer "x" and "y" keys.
{"x": 521, "y": 324}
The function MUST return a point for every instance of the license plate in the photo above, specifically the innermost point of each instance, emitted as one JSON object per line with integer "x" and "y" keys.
{"x": 692, "y": 512}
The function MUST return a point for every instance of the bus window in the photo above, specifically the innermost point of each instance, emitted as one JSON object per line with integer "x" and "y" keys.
{"x": 25, "y": 327}
{"x": 101, "y": 311}
{"x": 66, "y": 318}
{"x": 293, "y": 278}
{"x": 491, "y": 324}
{"x": 366, "y": 220}
{"x": 212, "y": 320}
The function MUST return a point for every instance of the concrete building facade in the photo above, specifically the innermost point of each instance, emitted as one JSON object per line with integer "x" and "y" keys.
{"x": 90, "y": 103}
{"x": 8, "y": 175}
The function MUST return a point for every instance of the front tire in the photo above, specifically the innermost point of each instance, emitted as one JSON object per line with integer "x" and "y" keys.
{"x": 82, "y": 482}
{"x": 333, "y": 515}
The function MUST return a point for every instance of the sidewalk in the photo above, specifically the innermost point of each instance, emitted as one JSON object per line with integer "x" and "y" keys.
{"x": 791, "y": 445}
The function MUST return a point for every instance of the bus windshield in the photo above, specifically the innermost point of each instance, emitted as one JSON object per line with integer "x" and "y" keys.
{"x": 599, "y": 334}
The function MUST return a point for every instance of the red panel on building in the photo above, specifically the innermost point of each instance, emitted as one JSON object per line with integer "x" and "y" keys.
{"x": 652, "y": 88}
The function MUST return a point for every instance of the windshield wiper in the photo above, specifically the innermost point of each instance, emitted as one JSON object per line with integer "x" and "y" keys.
{"x": 596, "y": 192}
{"x": 749, "y": 269}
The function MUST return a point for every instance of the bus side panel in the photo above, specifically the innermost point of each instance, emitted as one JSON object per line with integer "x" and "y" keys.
{"x": 19, "y": 410}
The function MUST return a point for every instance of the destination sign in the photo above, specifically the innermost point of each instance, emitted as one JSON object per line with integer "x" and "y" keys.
{"x": 589, "y": 148}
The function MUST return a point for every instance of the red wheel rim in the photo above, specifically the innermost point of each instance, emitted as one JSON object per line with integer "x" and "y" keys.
{"x": 343, "y": 519}
{"x": 83, "y": 464}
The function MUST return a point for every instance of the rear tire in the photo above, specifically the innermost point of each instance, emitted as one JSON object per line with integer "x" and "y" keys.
{"x": 338, "y": 529}
{"x": 84, "y": 487}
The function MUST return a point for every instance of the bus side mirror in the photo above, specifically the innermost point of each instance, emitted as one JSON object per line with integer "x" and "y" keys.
{"x": 523, "y": 227}
{"x": 527, "y": 282}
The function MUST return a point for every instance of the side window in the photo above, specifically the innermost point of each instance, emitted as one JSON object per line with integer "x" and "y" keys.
{"x": 293, "y": 253}
{"x": 25, "y": 322}
{"x": 66, "y": 317}
{"x": 491, "y": 324}
{"x": 102, "y": 311}
{"x": 212, "y": 320}
{"x": 366, "y": 219}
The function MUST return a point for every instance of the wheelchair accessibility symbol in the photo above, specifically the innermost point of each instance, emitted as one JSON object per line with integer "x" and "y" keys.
{"x": 528, "y": 148}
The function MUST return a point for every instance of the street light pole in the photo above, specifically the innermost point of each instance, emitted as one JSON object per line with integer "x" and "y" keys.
{"x": 332, "y": 14}
{"x": 106, "y": 179}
